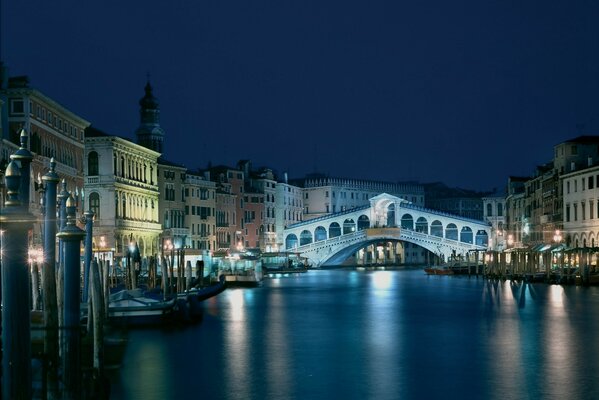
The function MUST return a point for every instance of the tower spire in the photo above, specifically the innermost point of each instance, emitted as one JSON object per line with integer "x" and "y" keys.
{"x": 150, "y": 134}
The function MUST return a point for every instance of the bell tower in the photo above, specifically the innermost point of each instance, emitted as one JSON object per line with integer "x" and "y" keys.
{"x": 150, "y": 134}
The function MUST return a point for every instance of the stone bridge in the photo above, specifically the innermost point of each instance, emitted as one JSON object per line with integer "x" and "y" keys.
{"x": 331, "y": 239}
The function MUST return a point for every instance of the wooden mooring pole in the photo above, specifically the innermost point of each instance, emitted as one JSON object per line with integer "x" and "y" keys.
{"x": 15, "y": 223}
{"x": 71, "y": 346}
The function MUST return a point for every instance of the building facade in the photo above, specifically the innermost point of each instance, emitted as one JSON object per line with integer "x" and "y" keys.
{"x": 325, "y": 195}
{"x": 494, "y": 213}
{"x": 52, "y": 130}
{"x": 200, "y": 212}
{"x": 581, "y": 207}
{"x": 121, "y": 186}
{"x": 289, "y": 208}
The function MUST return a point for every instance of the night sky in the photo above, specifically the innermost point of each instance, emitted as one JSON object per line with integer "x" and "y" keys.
{"x": 464, "y": 92}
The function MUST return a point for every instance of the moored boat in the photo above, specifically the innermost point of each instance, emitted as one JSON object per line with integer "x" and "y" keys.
{"x": 439, "y": 270}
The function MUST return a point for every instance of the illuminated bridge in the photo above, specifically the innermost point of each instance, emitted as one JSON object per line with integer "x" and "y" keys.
{"x": 331, "y": 239}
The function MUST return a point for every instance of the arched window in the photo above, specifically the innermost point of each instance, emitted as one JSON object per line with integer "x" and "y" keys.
{"x": 500, "y": 210}
{"x": 94, "y": 204}
{"x": 489, "y": 210}
{"x": 92, "y": 164}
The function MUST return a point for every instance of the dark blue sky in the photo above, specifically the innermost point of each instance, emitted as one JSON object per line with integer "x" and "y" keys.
{"x": 464, "y": 92}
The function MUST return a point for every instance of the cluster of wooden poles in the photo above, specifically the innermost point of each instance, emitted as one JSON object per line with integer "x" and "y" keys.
{"x": 553, "y": 265}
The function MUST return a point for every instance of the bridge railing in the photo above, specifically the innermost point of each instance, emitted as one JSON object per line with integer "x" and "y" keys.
{"x": 440, "y": 240}
{"x": 329, "y": 216}
{"x": 313, "y": 245}
{"x": 442, "y": 213}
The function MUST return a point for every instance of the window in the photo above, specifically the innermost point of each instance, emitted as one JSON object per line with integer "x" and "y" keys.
{"x": 591, "y": 181}
{"x": 92, "y": 164}
{"x": 17, "y": 107}
{"x": 568, "y": 212}
{"x": 500, "y": 210}
{"x": 489, "y": 210}
{"x": 94, "y": 204}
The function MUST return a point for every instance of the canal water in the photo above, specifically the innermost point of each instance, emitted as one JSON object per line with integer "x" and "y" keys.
{"x": 345, "y": 334}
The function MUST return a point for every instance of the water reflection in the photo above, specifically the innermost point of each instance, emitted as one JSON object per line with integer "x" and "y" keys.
{"x": 276, "y": 347}
{"x": 382, "y": 338}
{"x": 236, "y": 349}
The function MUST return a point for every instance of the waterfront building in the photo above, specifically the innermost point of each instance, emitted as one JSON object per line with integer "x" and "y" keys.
{"x": 121, "y": 186}
{"x": 326, "y": 195}
{"x": 230, "y": 208}
{"x": 540, "y": 208}
{"x": 494, "y": 214}
{"x": 515, "y": 206}
{"x": 260, "y": 196}
{"x": 200, "y": 212}
{"x": 581, "y": 207}
{"x": 171, "y": 207}
{"x": 289, "y": 207}
{"x": 53, "y": 130}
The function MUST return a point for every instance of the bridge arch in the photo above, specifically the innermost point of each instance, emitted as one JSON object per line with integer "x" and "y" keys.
{"x": 451, "y": 231}
{"x": 482, "y": 238}
{"x": 291, "y": 241}
{"x": 363, "y": 222}
{"x": 407, "y": 222}
{"x": 349, "y": 226}
{"x": 334, "y": 230}
{"x": 320, "y": 233}
{"x": 436, "y": 228}
{"x": 422, "y": 225}
{"x": 466, "y": 235}
{"x": 305, "y": 237}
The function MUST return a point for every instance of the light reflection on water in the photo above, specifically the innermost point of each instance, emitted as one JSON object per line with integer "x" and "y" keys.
{"x": 380, "y": 335}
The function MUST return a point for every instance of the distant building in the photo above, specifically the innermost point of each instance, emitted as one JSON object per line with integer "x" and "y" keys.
{"x": 535, "y": 215}
{"x": 200, "y": 212}
{"x": 515, "y": 218}
{"x": 462, "y": 202}
{"x": 172, "y": 207}
{"x": 581, "y": 207}
{"x": 230, "y": 208}
{"x": 289, "y": 208}
{"x": 494, "y": 214}
{"x": 325, "y": 195}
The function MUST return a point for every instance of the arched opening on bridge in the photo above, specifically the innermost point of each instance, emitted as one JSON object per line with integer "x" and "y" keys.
{"x": 482, "y": 238}
{"x": 451, "y": 232}
{"x": 320, "y": 234}
{"x": 422, "y": 225}
{"x": 407, "y": 222}
{"x": 305, "y": 238}
{"x": 334, "y": 230}
{"x": 437, "y": 228}
{"x": 291, "y": 241}
{"x": 391, "y": 215}
{"x": 363, "y": 222}
{"x": 466, "y": 235}
{"x": 349, "y": 226}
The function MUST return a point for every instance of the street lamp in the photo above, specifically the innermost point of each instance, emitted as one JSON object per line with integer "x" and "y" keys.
{"x": 510, "y": 240}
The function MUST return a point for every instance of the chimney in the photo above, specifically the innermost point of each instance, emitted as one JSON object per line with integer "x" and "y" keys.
{"x": 590, "y": 161}
{"x": 572, "y": 166}
{"x": 285, "y": 177}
